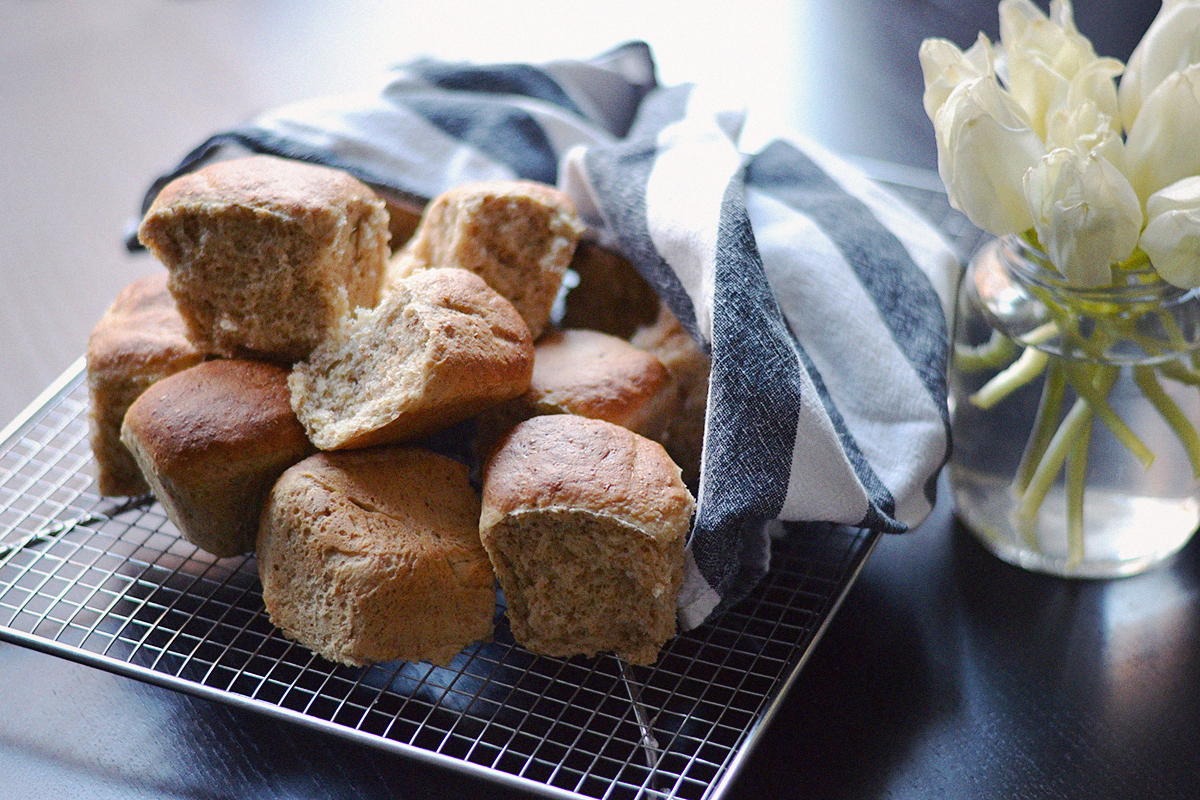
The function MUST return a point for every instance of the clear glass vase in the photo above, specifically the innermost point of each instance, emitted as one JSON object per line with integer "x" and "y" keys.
{"x": 1075, "y": 414}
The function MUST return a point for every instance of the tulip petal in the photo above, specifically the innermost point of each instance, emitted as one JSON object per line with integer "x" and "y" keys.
{"x": 1049, "y": 66}
{"x": 1086, "y": 214}
{"x": 1170, "y": 44}
{"x": 1085, "y": 129}
{"x": 985, "y": 145}
{"x": 1172, "y": 235}
{"x": 944, "y": 67}
{"x": 1160, "y": 147}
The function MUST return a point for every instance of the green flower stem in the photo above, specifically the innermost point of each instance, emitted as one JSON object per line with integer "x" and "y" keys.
{"x": 1174, "y": 334}
{"x": 1076, "y": 484}
{"x": 1080, "y": 336}
{"x": 994, "y": 353}
{"x": 1112, "y": 327}
{"x": 1066, "y": 320}
{"x": 1045, "y": 421}
{"x": 1041, "y": 334}
{"x": 1026, "y": 368}
{"x": 1077, "y": 420}
{"x": 1093, "y": 382}
{"x": 1172, "y": 413}
{"x": 1180, "y": 373}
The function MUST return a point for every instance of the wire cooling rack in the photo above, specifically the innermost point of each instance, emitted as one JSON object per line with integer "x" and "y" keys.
{"x": 112, "y": 585}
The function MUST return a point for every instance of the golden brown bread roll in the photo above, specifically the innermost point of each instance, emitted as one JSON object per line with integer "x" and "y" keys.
{"x": 585, "y": 523}
{"x": 593, "y": 375}
{"x": 689, "y": 367}
{"x": 599, "y": 376}
{"x": 211, "y": 440}
{"x": 438, "y": 349}
{"x": 609, "y": 295}
{"x": 374, "y": 555}
{"x": 137, "y": 342}
{"x": 266, "y": 254}
{"x": 519, "y": 236}
{"x": 403, "y": 218}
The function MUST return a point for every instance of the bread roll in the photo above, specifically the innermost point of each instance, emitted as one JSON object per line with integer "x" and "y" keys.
{"x": 609, "y": 295}
{"x": 519, "y": 236}
{"x": 599, "y": 376}
{"x": 266, "y": 254}
{"x": 403, "y": 218}
{"x": 689, "y": 367}
{"x": 585, "y": 523}
{"x": 440, "y": 348}
{"x": 593, "y": 375}
{"x": 137, "y": 342}
{"x": 211, "y": 440}
{"x": 374, "y": 555}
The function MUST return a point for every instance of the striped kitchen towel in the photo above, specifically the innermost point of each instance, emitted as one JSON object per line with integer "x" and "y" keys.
{"x": 821, "y": 298}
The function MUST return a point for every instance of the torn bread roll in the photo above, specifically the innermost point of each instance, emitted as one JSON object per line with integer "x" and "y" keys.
{"x": 440, "y": 348}
{"x": 266, "y": 254}
{"x": 585, "y": 523}
{"x": 519, "y": 236}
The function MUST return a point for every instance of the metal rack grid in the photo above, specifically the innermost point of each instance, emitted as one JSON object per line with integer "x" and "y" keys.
{"x": 112, "y": 585}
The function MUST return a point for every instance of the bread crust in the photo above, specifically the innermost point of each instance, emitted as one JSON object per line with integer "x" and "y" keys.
{"x": 599, "y": 376}
{"x": 593, "y": 375}
{"x": 138, "y": 341}
{"x": 211, "y": 440}
{"x": 374, "y": 555}
{"x": 689, "y": 367}
{"x": 609, "y": 294}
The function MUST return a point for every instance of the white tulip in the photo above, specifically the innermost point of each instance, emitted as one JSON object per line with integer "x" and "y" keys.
{"x": 944, "y": 67}
{"x": 1049, "y": 66}
{"x": 1170, "y": 44}
{"x": 1161, "y": 146}
{"x": 1086, "y": 129}
{"x": 1096, "y": 82}
{"x": 1172, "y": 235}
{"x": 1085, "y": 213}
{"x": 985, "y": 145}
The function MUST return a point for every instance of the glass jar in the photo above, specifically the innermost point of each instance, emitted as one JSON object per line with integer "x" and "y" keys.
{"x": 1075, "y": 414}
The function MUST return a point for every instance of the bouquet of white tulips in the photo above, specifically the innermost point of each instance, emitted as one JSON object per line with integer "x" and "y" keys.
{"x": 1033, "y": 133}
{"x": 1096, "y": 165}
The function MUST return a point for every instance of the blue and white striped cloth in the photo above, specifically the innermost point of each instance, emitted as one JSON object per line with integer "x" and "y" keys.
{"x": 821, "y": 298}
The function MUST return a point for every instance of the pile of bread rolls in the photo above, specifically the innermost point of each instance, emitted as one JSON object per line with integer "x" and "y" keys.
{"x": 277, "y": 385}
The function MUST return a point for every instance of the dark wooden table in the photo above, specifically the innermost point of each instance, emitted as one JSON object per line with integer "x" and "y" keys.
{"x": 945, "y": 674}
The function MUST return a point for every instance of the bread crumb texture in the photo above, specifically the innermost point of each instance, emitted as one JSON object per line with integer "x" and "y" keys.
{"x": 519, "y": 236}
